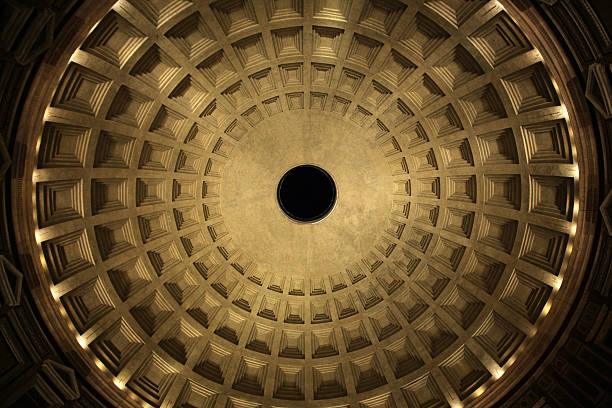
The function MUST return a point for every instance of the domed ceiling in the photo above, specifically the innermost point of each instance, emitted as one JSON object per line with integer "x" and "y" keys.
{"x": 168, "y": 266}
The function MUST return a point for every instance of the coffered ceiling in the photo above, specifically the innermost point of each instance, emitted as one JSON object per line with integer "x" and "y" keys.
{"x": 171, "y": 269}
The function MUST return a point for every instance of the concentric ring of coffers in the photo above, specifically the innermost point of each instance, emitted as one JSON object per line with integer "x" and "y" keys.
{"x": 130, "y": 171}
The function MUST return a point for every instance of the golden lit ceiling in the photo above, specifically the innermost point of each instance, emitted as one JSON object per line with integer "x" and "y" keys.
{"x": 178, "y": 277}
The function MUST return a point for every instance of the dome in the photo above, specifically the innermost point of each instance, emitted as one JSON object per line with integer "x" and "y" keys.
{"x": 167, "y": 266}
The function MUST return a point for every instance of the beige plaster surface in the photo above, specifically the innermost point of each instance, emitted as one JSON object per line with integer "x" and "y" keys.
{"x": 280, "y": 245}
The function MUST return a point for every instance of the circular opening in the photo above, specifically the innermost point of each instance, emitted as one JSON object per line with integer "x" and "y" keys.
{"x": 306, "y": 193}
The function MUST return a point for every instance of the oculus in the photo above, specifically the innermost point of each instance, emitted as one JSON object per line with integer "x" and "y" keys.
{"x": 306, "y": 193}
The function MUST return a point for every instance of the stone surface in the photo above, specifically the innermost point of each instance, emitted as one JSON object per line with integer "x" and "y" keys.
{"x": 170, "y": 260}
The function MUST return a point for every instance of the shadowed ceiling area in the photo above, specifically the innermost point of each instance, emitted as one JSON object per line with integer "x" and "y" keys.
{"x": 464, "y": 214}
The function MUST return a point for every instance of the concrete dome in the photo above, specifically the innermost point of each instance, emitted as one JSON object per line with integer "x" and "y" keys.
{"x": 155, "y": 139}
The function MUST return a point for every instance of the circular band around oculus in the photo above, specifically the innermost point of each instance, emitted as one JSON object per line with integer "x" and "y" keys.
{"x": 306, "y": 193}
